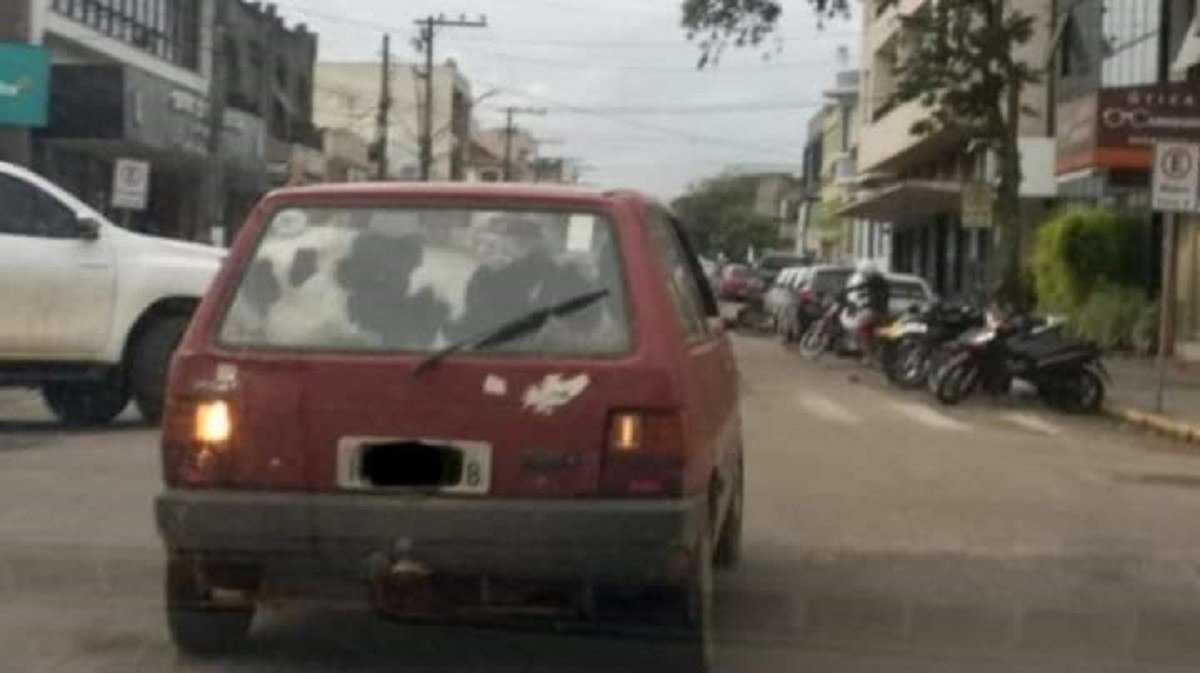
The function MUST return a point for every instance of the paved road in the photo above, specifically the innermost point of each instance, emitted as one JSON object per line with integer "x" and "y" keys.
{"x": 883, "y": 534}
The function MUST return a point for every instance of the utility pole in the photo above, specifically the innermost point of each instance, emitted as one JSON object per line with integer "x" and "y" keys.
{"x": 385, "y": 106}
{"x": 509, "y": 130}
{"x": 429, "y": 25}
{"x": 214, "y": 175}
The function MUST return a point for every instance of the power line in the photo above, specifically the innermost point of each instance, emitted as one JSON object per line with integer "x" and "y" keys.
{"x": 694, "y": 137}
{"x": 583, "y": 44}
{"x": 718, "y": 108}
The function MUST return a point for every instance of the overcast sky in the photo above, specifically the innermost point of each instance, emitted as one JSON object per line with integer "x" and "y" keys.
{"x": 605, "y": 54}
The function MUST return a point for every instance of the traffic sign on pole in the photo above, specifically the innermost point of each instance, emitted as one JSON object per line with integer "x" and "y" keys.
{"x": 1176, "y": 177}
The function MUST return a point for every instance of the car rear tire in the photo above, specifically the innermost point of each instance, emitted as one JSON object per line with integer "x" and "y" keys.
{"x": 729, "y": 545}
{"x": 198, "y": 627}
{"x": 149, "y": 362}
{"x": 87, "y": 403}
{"x": 698, "y": 610}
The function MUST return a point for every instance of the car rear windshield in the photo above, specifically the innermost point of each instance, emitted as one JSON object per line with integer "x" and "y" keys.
{"x": 907, "y": 290}
{"x": 413, "y": 279}
{"x": 832, "y": 280}
{"x": 777, "y": 262}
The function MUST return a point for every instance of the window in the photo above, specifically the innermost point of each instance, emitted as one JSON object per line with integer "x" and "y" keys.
{"x": 169, "y": 29}
{"x": 27, "y": 211}
{"x": 682, "y": 284}
{"x": 415, "y": 279}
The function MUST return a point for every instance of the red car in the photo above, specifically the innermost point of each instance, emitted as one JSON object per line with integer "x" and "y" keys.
{"x": 739, "y": 283}
{"x": 467, "y": 397}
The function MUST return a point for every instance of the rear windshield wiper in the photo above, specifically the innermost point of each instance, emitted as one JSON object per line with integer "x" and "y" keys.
{"x": 514, "y": 328}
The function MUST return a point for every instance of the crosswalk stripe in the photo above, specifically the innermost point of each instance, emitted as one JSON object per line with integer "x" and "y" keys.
{"x": 927, "y": 416}
{"x": 826, "y": 409}
{"x": 1033, "y": 423}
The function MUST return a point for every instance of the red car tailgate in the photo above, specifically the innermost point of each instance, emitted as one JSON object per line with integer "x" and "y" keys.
{"x": 544, "y": 421}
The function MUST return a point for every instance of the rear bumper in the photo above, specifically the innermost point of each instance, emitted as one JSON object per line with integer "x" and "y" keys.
{"x": 612, "y": 540}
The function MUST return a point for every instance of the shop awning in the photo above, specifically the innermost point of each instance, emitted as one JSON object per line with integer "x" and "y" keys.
{"x": 906, "y": 200}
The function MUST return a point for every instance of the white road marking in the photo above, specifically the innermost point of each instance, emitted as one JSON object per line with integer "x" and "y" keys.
{"x": 826, "y": 409}
{"x": 1033, "y": 423}
{"x": 928, "y": 416}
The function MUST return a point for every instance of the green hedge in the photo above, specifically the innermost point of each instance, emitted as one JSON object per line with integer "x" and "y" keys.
{"x": 1080, "y": 250}
{"x": 1087, "y": 264}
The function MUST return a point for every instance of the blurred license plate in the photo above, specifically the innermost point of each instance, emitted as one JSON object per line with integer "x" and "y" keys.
{"x": 425, "y": 464}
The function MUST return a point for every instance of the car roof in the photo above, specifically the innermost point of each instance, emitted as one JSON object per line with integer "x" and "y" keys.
{"x": 818, "y": 268}
{"x": 485, "y": 191}
{"x": 906, "y": 277}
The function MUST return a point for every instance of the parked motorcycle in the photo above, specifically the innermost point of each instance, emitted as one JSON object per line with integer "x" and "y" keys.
{"x": 834, "y": 330}
{"x": 908, "y": 346}
{"x": 1068, "y": 374}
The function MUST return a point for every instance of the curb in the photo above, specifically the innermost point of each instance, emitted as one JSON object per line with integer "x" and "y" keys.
{"x": 1156, "y": 423}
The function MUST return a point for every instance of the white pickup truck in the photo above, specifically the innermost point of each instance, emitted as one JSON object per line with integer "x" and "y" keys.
{"x": 89, "y": 312}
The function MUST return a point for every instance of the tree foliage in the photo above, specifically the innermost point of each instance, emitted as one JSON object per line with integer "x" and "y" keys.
{"x": 956, "y": 58}
{"x": 719, "y": 216}
{"x": 717, "y": 24}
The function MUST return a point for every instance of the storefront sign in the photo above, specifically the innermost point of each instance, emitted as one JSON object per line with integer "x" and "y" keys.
{"x": 978, "y": 203}
{"x": 131, "y": 184}
{"x": 1117, "y": 128}
{"x": 24, "y": 85}
{"x": 1176, "y": 187}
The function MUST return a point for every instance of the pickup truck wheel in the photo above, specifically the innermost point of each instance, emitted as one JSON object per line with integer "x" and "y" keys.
{"x": 149, "y": 360}
{"x": 197, "y": 626}
{"x": 83, "y": 403}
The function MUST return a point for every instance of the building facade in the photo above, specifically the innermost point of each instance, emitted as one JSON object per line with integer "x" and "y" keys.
{"x": 347, "y": 96}
{"x": 910, "y": 187}
{"x": 133, "y": 80}
{"x": 1117, "y": 57}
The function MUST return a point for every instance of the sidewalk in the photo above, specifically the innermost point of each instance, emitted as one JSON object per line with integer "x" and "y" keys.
{"x": 1132, "y": 393}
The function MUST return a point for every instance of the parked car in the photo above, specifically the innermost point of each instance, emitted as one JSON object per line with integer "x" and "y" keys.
{"x": 471, "y": 396}
{"x": 738, "y": 283}
{"x": 909, "y": 292}
{"x": 92, "y": 312}
{"x": 780, "y": 301}
{"x": 770, "y": 264}
{"x": 816, "y": 287}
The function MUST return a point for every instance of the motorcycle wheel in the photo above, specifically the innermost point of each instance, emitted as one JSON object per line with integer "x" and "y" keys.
{"x": 815, "y": 341}
{"x": 909, "y": 364}
{"x": 957, "y": 382}
{"x": 1084, "y": 392}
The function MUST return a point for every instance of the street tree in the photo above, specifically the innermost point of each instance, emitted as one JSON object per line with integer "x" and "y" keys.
{"x": 958, "y": 61}
{"x": 719, "y": 215}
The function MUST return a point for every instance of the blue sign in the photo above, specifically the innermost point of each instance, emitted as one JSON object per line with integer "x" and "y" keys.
{"x": 24, "y": 84}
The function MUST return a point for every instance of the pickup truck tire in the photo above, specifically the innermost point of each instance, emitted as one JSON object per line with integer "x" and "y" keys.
{"x": 84, "y": 403}
{"x": 149, "y": 361}
{"x": 198, "y": 627}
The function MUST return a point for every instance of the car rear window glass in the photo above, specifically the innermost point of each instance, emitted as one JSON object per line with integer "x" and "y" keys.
{"x": 902, "y": 289}
{"x": 777, "y": 262}
{"x": 830, "y": 280}
{"x": 411, "y": 279}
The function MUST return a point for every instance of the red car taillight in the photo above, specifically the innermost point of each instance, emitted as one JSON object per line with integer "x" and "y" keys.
{"x": 198, "y": 440}
{"x": 644, "y": 455}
